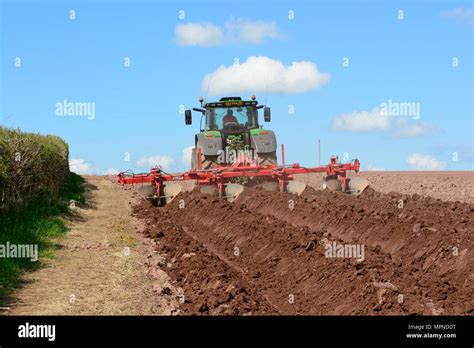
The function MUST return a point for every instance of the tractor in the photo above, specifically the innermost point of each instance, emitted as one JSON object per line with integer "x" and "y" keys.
{"x": 233, "y": 151}
{"x": 230, "y": 129}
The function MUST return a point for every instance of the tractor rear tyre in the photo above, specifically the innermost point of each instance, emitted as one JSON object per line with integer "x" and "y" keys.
{"x": 267, "y": 159}
{"x": 208, "y": 162}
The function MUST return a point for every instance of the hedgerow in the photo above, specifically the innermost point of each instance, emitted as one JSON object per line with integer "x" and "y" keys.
{"x": 32, "y": 167}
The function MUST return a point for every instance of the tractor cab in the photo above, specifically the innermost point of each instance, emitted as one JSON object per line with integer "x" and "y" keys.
{"x": 231, "y": 124}
{"x": 231, "y": 118}
{"x": 229, "y": 113}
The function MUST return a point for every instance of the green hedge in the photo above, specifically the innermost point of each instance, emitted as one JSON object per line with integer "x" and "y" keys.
{"x": 32, "y": 166}
{"x": 37, "y": 223}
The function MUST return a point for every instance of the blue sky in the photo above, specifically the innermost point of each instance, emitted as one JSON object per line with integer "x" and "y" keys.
{"x": 421, "y": 56}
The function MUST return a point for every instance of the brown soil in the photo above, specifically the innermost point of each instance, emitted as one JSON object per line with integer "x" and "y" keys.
{"x": 448, "y": 186}
{"x": 258, "y": 256}
{"x": 265, "y": 253}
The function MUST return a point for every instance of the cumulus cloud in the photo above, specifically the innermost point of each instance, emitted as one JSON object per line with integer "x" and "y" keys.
{"x": 263, "y": 74}
{"x": 460, "y": 14}
{"x": 377, "y": 120}
{"x": 197, "y": 34}
{"x": 362, "y": 121}
{"x": 241, "y": 30}
{"x": 425, "y": 162}
{"x": 110, "y": 171}
{"x": 165, "y": 162}
{"x": 235, "y": 30}
{"x": 80, "y": 166}
{"x": 414, "y": 129}
{"x": 186, "y": 157}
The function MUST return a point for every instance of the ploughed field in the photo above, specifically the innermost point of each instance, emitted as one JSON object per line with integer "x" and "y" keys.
{"x": 321, "y": 253}
{"x": 449, "y": 186}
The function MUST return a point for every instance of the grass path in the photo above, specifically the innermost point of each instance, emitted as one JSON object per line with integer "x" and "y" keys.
{"x": 99, "y": 267}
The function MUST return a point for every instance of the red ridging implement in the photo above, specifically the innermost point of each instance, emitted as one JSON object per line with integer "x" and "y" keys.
{"x": 218, "y": 179}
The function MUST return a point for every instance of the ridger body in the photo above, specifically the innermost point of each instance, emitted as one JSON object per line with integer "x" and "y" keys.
{"x": 233, "y": 123}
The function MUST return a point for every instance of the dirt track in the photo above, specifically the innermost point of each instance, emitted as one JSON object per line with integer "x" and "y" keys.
{"x": 99, "y": 267}
{"x": 258, "y": 256}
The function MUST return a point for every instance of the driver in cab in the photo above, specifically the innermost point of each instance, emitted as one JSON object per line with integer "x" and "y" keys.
{"x": 229, "y": 118}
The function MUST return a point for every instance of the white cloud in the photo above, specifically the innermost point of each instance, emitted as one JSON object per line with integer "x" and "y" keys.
{"x": 425, "y": 162}
{"x": 372, "y": 168}
{"x": 460, "y": 14}
{"x": 263, "y": 74}
{"x": 186, "y": 158}
{"x": 362, "y": 121}
{"x": 197, "y": 34}
{"x": 80, "y": 166}
{"x": 241, "y": 30}
{"x": 234, "y": 31}
{"x": 414, "y": 129}
{"x": 110, "y": 171}
{"x": 165, "y": 162}
{"x": 377, "y": 120}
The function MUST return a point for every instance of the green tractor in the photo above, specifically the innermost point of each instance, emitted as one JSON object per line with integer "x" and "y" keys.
{"x": 230, "y": 128}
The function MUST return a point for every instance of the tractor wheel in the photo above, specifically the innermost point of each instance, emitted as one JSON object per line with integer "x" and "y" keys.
{"x": 207, "y": 161}
{"x": 266, "y": 159}
{"x": 193, "y": 159}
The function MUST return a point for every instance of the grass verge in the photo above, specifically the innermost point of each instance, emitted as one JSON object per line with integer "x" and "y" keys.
{"x": 36, "y": 224}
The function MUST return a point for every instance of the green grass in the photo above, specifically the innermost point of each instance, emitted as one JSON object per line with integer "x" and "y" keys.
{"x": 38, "y": 223}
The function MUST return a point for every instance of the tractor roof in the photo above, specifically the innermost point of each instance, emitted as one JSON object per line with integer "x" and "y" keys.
{"x": 230, "y": 98}
{"x": 229, "y": 102}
